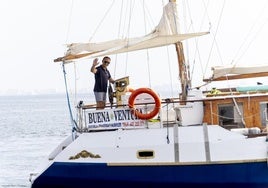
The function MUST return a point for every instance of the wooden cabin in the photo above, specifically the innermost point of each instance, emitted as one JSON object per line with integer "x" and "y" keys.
{"x": 238, "y": 109}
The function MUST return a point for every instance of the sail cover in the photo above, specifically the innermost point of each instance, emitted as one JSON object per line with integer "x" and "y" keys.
{"x": 165, "y": 33}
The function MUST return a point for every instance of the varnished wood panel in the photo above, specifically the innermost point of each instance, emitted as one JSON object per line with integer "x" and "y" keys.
{"x": 251, "y": 109}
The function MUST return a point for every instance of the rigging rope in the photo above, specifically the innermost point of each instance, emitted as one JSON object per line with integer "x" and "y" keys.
{"x": 75, "y": 84}
{"x": 128, "y": 29}
{"x": 214, "y": 38}
{"x": 250, "y": 31}
{"x": 73, "y": 123}
{"x": 69, "y": 22}
{"x": 106, "y": 13}
{"x": 233, "y": 118}
{"x": 118, "y": 35}
{"x": 197, "y": 52}
{"x": 127, "y": 26}
{"x": 237, "y": 108}
{"x": 217, "y": 47}
{"x": 147, "y": 51}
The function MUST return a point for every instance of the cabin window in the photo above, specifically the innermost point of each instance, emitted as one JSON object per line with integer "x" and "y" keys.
{"x": 264, "y": 113}
{"x": 145, "y": 154}
{"x": 229, "y": 116}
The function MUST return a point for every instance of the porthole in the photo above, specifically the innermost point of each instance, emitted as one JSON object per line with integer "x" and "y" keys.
{"x": 145, "y": 154}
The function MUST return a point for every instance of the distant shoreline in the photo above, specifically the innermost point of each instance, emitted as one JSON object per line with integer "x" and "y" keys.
{"x": 46, "y": 94}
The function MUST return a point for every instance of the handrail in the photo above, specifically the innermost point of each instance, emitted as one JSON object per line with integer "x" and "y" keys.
{"x": 163, "y": 101}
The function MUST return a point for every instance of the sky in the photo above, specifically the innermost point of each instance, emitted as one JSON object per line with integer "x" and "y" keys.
{"x": 34, "y": 33}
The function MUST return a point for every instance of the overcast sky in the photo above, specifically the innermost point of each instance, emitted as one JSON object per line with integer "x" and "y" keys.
{"x": 33, "y": 33}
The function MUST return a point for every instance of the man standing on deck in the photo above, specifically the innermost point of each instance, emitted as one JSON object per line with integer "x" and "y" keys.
{"x": 102, "y": 75}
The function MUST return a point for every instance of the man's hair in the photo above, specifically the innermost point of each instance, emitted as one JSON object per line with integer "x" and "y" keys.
{"x": 106, "y": 57}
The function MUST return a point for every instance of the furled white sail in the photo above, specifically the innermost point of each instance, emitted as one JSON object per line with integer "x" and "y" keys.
{"x": 219, "y": 71}
{"x": 165, "y": 33}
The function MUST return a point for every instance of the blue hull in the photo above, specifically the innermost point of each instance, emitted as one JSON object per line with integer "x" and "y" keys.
{"x": 75, "y": 175}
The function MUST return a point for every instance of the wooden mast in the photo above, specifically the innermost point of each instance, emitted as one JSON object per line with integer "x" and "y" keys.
{"x": 184, "y": 79}
{"x": 182, "y": 70}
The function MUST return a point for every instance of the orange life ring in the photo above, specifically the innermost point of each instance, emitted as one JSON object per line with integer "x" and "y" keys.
{"x": 137, "y": 113}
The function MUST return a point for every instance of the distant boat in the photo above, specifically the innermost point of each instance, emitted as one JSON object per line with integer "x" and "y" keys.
{"x": 201, "y": 139}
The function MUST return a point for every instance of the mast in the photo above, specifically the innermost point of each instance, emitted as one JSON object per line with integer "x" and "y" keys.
{"x": 183, "y": 73}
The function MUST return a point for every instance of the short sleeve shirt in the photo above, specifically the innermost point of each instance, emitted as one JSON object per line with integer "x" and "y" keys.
{"x": 101, "y": 79}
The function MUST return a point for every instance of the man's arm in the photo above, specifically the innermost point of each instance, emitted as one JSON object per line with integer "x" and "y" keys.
{"x": 111, "y": 80}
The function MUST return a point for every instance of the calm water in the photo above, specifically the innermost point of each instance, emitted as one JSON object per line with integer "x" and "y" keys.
{"x": 30, "y": 127}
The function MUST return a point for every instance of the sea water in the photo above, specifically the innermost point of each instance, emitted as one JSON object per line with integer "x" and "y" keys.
{"x": 30, "y": 128}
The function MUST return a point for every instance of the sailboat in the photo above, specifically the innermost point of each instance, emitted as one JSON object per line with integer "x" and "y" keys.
{"x": 200, "y": 138}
